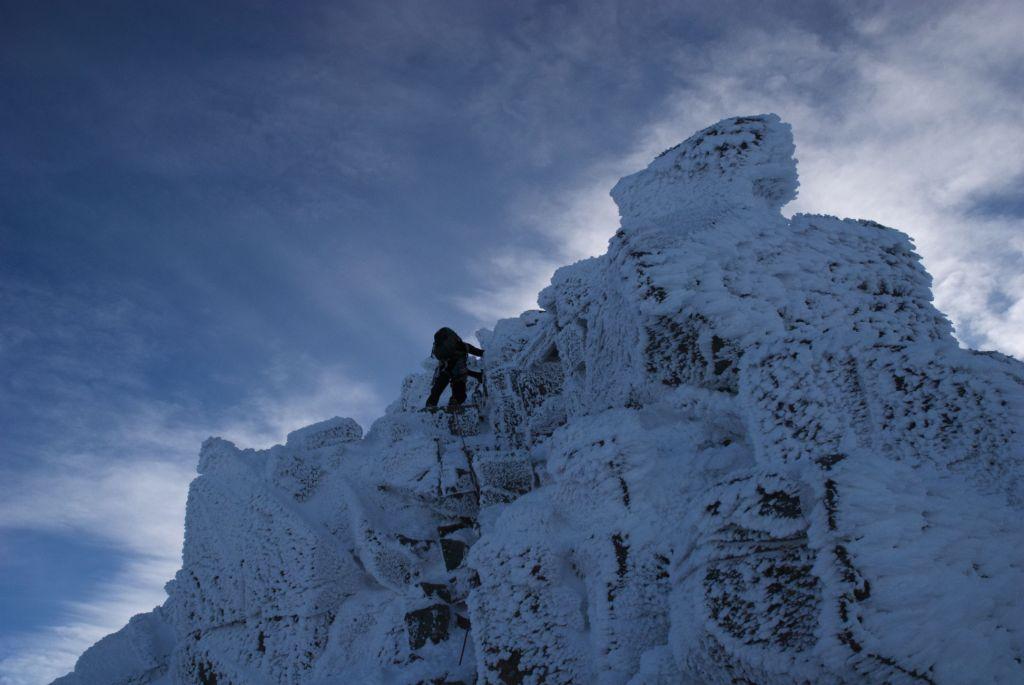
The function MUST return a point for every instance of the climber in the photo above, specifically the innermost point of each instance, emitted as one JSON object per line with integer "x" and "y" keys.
{"x": 450, "y": 352}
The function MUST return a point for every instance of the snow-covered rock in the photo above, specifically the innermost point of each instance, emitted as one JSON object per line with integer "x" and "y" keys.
{"x": 736, "y": 448}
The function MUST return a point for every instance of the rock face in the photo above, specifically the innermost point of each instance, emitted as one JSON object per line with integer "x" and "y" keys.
{"x": 734, "y": 449}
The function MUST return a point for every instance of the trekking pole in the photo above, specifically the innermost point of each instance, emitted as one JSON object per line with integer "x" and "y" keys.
{"x": 464, "y": 641}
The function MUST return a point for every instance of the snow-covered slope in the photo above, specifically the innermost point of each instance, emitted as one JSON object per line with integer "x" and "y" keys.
{"x": 734, "y": 449}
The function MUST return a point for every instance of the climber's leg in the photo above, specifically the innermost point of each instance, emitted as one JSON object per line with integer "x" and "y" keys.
{"x": 440, "y": 382}
{"x": 458, "y": 391}
{"x": 458, "y": 381}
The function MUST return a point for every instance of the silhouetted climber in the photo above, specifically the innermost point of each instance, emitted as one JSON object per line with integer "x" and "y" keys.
{"x": 450, "y": 352}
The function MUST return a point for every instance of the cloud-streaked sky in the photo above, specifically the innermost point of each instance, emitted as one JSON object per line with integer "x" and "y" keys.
{"x": 237, "y": 218}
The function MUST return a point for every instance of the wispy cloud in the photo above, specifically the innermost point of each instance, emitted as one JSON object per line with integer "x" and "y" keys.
{"x": 133, "y": 505}
{"x": 297, "y": 393}
{"x": 42, "y": 656}
{"x": 136, "y": 504}
{"x": 569, "y": 225}
{"x": 512, "y": 277}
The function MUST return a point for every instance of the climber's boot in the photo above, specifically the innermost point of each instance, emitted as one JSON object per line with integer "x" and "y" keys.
{"x": 459, "y": 408}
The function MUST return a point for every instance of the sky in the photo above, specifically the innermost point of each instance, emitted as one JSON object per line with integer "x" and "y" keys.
{"x": 238, "y": 218}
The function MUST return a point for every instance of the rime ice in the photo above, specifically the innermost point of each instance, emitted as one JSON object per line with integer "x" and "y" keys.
{"x": 734, "y": 448}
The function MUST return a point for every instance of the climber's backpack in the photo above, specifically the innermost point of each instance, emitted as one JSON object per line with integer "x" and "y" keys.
{"x": 447, "y": 344}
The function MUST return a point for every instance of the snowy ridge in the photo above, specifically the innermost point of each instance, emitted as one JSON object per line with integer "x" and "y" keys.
{"x": 734, "y": 448}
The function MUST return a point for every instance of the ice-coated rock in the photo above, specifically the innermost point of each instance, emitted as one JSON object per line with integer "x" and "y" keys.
{"x": 736, "y": 448}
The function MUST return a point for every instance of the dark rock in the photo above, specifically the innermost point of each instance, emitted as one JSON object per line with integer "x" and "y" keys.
{"x": 429, "y": 623}
{"x": 453, "y": 551}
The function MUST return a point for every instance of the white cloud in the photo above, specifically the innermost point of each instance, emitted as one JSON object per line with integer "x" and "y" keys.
{"x": 136, "y": 506}
{"x": 513, "y": 277}
{"x": 297, "y": 394}
{"x": 42, "y": 656}
{"x": 571, "y": 225}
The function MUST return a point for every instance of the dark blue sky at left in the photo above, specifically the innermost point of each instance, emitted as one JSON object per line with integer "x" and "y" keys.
{"x": 203, "y": 190}
{"x": 236, "y": 217}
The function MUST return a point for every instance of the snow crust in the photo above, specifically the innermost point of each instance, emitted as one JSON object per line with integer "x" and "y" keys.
{"x": 735, "y": 448}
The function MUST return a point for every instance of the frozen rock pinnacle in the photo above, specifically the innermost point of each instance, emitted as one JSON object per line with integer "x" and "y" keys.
{"x": 735, "y": 448}
{"x": 738, "y": 163}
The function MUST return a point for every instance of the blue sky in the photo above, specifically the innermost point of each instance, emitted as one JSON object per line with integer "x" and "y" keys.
{"x": 237, "y": 218}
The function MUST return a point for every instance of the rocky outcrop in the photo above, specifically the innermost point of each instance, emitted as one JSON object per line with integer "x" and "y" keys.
{"x": 736, "y": 448}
